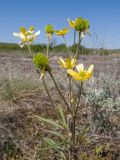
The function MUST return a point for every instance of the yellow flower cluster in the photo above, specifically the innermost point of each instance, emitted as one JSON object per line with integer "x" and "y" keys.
{"x": 68, "y": 63}
{"x": 81, "y": 25}
{"x": 27, "y": 37}
{"x": 81, "y": 74}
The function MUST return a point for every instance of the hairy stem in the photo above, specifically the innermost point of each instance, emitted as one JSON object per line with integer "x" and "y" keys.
{"x": 79, "y": 41}
{"x": 73, "y": 135}
{"x": 60, "y": 93}
{"x": 74, "y": 122}
{"x": 74, "y": 36}
{"x": 29, "y": 49}
{"x": 48, "y": 47}
{"x": 70, "y": 92}
{"x": 79, "y": 97}
{"x": 66, "y": 44}
{"x": 47, "y": 91}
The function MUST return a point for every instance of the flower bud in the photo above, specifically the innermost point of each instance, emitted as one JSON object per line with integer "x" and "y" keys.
{"x": 41, "y": 62}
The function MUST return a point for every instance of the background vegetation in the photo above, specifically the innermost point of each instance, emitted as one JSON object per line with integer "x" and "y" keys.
{"x": 55, "y": 49}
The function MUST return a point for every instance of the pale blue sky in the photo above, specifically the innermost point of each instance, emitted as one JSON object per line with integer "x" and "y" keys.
{"x": 104, "y": 16}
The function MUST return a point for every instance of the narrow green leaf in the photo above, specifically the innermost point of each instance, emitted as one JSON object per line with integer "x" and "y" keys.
{"x": 63, "y": 117}
{"x": 51, "y": 143}
{"x": 49, "y": 121}
{"x": 55, "y": 133}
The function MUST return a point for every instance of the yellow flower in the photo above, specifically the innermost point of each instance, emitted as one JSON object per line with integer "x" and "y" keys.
{"x": 49, "y": 29}
{"x": 61, "y": 32}
{"x": 81, "y": 25}
{"x": 81, "y": 74}
{"x": 71, "y": 23}
{"x": 27, "y": 37}
{"x": 68, "y": 63}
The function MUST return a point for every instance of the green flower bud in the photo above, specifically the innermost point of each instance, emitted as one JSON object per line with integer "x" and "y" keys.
{"x": 41, "y": 62}
{"x": 49, "y": 29}
{"x": 81, "y": 24}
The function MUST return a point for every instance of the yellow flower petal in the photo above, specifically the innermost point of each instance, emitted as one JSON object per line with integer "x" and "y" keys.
{"x": 37, "y": 33}
{"x": 61, "y": 32}
{"x": 20, "y": 35}
{"x": 31, "y": 28}
{"x": 61, "y": 61}
{"x": 90, "y": 69}
{"x": 68, "y": 63}
{"x": 23, "y": 30}
{"x": 89, "y": 72}
{"x": 80, "y": 67}
{"x": 71, "y": 23}
{"x": 74, "y": 74}
{"x": 82, "y": 74}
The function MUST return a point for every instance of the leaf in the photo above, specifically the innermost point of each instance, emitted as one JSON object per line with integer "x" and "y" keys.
{"x": 49, "y": 121}
{"x": 62, "y": 155}
{"x": 62, "y": 117}
{"x": 82, "y": 134}
{"x": 51, "y": 143}
{"x": 55, "y": 133}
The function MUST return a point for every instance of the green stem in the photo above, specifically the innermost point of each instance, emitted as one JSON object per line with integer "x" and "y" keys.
{"x": 74, "y": 36}
{"x": 79, "y": 41}
{"x": 70, "y": 91}
{"x": 74, "y": 121}
{"x": 73, "y": 135}
{"x": 48, "y": 46}
{"x": 66, "y": 44}
{"x": 29, "y": 49}
{"x": 47, "y": 91}
{"x": 79, "y": 97}
{"x": 60, "y": 92}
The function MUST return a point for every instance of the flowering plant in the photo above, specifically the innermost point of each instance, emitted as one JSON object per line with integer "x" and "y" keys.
{"x": 65, "y": 128}
{"x": 27, "y": 37}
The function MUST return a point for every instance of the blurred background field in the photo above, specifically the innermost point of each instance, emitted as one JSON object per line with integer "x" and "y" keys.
{"x": 55, "y": 49}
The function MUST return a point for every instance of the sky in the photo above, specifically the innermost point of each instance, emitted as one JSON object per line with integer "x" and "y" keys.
{"x": 104, "y": 17}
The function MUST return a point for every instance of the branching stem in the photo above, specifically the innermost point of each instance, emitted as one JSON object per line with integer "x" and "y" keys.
{"x": 61, "y": 95}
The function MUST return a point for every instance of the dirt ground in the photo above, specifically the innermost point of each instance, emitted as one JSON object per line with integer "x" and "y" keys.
{"x": 18, "y": 131}
{"x": 22, "y": 66}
